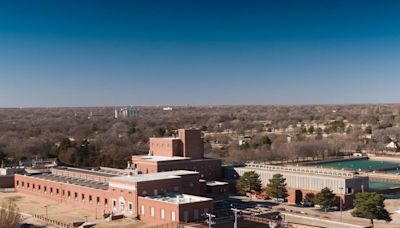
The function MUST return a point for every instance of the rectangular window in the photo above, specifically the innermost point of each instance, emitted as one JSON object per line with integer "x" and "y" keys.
{"x": 97, "y": 200}
{"x": 142, "y": 210}
{"x": 162, "y": 214}
{"x": 114, "y": 203}
{"x": 83, "y": 196}
{"x": 51, "y": 190}
{"x": 27, "y": 185}
{"x": 105, "y": 201}
{"x": 152, "y": 212}
{"x": 173, "y": 216}
{"x": 130, "y": 206}
{"x": 90, "y": 198}
{"x": 22, "y": 184}
{"x": 17, "y": 183}
{"x": 33, "y": 186}
{"x": 45, "y": 188}
{"x": 196, "y": 214}
{"x": 38, "y": 187}
{"x": 57, "y": 191}
{"x": 76, "y": 195}
{"x": 63, "y": 193}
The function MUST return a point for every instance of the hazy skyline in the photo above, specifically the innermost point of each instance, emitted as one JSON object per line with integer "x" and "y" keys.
{"x": 94, "y": 53}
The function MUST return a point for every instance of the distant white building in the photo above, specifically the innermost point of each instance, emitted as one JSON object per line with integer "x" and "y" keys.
{"x": 393, "y": 145}
{"x": 167, "y": 109}
{"x": 125, "y": 113}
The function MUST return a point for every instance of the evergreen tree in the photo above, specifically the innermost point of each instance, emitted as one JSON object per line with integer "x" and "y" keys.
{"x": 249, "y": 182}
{"x": 370, "y": 205}
{"x": 326, "y": 198}
{"x": 276, "y": 187}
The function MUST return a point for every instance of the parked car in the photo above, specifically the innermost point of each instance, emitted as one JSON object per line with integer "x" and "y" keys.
{"x": 280, "y": 200}
{"x": 333, "y": 208}
{"x": 307, "y": 203}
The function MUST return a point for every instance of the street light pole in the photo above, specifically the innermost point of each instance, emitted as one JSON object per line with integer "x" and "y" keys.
{"x": 210, "y": 217}
{"x": 235, "y": 211}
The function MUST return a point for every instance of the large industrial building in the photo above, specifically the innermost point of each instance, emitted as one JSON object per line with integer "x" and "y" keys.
{"x": 186, "y": 151}
{"x": 167, "y": 185}
{"x": 303, "y": 180}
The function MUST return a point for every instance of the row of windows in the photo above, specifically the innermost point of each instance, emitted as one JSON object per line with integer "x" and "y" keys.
{"x": 196, "y": 214}
{"x": 160, "y": 144}
{"x": 121, "y": 191}
{"x": 162, "y": 213}
{"x": 57, "y": 192}
{"x": 122, "y": 205}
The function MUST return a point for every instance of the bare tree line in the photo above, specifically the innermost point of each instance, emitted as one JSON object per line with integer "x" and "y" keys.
{"x": 99, "y": 139}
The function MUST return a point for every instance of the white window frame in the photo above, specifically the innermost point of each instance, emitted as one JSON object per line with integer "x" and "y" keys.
{"x": 173, "y": 217}
{"x": 142, "y": 210}
{"x": 152, "y": 211}
{"x": 162, "y": 214}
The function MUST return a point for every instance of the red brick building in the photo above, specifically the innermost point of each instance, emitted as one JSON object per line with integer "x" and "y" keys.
{"x": 156, "y": 198}
{"x": 186, "y": 151}
{"x": 165, "y": 186}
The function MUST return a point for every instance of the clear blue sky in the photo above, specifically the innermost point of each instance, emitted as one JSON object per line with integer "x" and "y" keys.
{"x": 94, "y": 53}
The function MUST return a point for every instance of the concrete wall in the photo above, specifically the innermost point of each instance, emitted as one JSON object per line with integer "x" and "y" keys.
{"x": 303, "y": 183}
{"x": 301, "y": 180}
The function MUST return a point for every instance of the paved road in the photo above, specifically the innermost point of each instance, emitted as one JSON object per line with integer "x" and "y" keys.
{"x": 345, "y": 216}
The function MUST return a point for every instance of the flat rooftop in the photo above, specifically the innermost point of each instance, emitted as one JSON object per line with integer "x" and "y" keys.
{"x": 178, "y": 198}
{"x": 301, "y": 170}
{"x": 160, "y": 158}
{"x": 72, "y": 180}
{"x": 154, "y": 176}
{"x": 167, "y": 138}
{"x": 98, "y": 172}
{"x": 216, "y": 183}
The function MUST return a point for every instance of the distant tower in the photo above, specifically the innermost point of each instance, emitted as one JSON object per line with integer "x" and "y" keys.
{"x": 125, "y": 113}
{"x": 116, "y": 113}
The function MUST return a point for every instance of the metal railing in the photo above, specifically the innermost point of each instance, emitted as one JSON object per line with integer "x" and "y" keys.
{"x": 52, "y": 221}
{"x": 302, "y": 169}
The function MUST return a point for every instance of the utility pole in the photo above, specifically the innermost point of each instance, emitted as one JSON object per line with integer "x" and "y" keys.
{"x": 235, "y": 211}
{"x": 46, "y": 206}
{"x": 341, "y": 203}
{"x": 209, "y": 219}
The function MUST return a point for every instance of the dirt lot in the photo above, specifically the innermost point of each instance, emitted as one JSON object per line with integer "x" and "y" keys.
{"x": 67, "y": 214}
